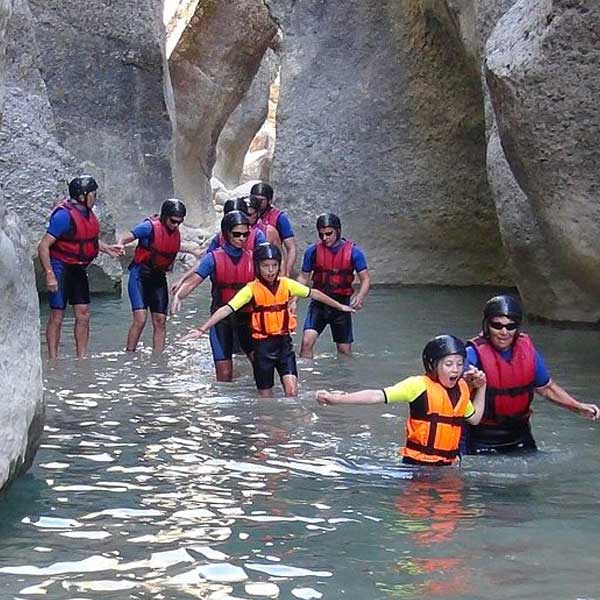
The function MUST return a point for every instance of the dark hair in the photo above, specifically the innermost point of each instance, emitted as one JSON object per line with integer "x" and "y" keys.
{"x": 262, "y": 189}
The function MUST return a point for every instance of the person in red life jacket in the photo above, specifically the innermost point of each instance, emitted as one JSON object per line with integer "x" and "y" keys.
{"x": 332, "y": 263}
{"x": 69, "y": 245}
{"x": 230, "y": 268}
{"x": 439, "y": 401}
{"x": 158, "y": 242}
{"x": 271, "y": 234}
{"x": 268, "y": 296}
{"x": 270, "y": 215}
{"x": 514, "y": 371}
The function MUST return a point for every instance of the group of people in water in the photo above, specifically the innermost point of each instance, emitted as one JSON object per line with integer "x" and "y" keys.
{"x": 473, "y": 398}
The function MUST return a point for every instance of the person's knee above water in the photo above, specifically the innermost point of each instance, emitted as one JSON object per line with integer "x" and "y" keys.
{"x": 271, "y": 215}
{"x": 69, "y": 245}
{"x": 269, "y": 295}
{"x": 230, "y": 267}
{"x": 331, "y": 264}
{"x": 158, "y": 242}
{"x": 515, "y": 370}
{"x": 439, "y": 402}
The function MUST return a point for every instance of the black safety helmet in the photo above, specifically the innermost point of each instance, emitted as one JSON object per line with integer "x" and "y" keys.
{"x": 266, "y": 251}
{"x": 172, "y": 208}
{"x": 502, "y": 306}
{"x": 330, "y": 220}
{"x": 262, "y": 189}
{"x": 235, "y": 204}
{"x": 254, "y": 202}
{"x": 84, "y": 184}
{"x": 231, "y": 219}
{"x": 439, "y": 347}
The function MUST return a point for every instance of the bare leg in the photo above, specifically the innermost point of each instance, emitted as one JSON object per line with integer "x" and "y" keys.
{"x": 309, "y": 339}
{"x": 53, "y": 328}
{"x": 82, "y": 328}
{"x": 159, "y": 331}
{"x": 135, "y": 329}
{"x": 290, "y": 385}
{"x": 345, "y": 349}
{"x": 224, "y": 370}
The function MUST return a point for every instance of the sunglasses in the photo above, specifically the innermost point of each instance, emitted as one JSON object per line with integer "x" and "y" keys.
{"x": 499, "y": 326}
{"x": 326, "y": 234}
{"x": 240, "y": 234}
{"x": 175, "y": 221}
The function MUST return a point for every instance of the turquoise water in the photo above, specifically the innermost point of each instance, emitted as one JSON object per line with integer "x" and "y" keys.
{"x": 154, "y": 482}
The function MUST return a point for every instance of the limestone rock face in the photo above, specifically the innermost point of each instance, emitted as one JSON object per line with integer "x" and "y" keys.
{"x": 542, "y": 72}
{"x": 244, "y": 123}
{"x": 212, "y": 67}
{"x": 380, "y": 120}
{"x": 34, "y": 166}
{"x": 103, "y": 66}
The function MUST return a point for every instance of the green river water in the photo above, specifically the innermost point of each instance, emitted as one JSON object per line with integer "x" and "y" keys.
{"x": 154, "y": 482}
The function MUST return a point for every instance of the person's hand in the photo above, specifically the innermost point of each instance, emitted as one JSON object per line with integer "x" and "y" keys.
{"x": 194, "y": 334}
{"x": 176, "y": 287}
{"x": 349, "y": 309}
{"x": 475, "y": 377}
{"x": 114, "y": 250}
{"x": 175, "y": 304}
{"x": 293, "y": 305}
{"x": 51, "y": 282}
{"x": 323, "y": 397}
{"x": 356, "y": 302}
{"x": 590, "y": 411}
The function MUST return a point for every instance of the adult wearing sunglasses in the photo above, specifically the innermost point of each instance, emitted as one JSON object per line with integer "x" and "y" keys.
{"x": 515, "y": 370}
{"x": 331, "y": 264}
{"x": 230, "y": 268}
{"x": 158, "y": 242}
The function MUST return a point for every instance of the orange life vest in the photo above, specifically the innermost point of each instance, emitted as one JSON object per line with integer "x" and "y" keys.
{"x": 80, "y": 246}
{"x": 332, "y": 271}
{"x": 230, "y": 277}
{"x": 270, "y": 313}
{"x": 163, "y": 248}
{"x": 433, "y": 434}
{"x": 510, "y": 383}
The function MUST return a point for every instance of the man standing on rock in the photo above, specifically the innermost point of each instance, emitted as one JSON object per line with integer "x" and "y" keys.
{"x": 270, "y": 215}
{"x": 69, "y": 245}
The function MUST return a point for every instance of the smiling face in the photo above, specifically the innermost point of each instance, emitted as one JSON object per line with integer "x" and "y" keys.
{"x": 269, "y": 269}
{"x": 449, "y": 370}
{"x": 501, "y": 332}
{"x": 238, "y": 236}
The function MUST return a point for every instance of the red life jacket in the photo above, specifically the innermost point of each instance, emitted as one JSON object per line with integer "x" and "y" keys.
{"x": 510, "y": 384}
{"x": 333, "y": 272}
{"x": 80, "y": 246}
{"x": 270, "y": 216}
{"x": 261, "y": 226}
{"x": 229, "y": 277}
{"x": 248, "y": 244}
{"x": 162, "y": 249}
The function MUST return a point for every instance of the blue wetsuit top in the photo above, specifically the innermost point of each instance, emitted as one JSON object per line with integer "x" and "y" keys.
{"x": 284, "y": 227}
{"x": 542, "y": 377}
{"x": 214, "y": 243}
{"x": 359, "y": 261}
{"x": 143, "y": 233}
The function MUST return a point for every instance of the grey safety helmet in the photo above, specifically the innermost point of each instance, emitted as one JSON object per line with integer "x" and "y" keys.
{"x": 330, "y": 220}
{"x": 504, "y": 305}
{"x": 235, "y": 204}
{"x": 266, "y": 251}
{"x": 231, "y": 219}
{"x": 440, "y": 347}
{"x": 84, "y": 184}
{"x": 172, "y": 208}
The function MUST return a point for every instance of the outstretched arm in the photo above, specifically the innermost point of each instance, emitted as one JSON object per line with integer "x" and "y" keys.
{"x": 556, "y": 394}
{"x": 321, "y": 297}
{"x": 114, "y": 250}
{"x": 362, "y": 397}
{"x": 217, "y": 316}
{"x": 184, "y": 290}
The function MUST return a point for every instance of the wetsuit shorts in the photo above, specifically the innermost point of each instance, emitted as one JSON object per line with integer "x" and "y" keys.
{"x": 482, "y": 439}
{"x": 223, "y": 336}
{"x": 275, "y": 352}
{"x": 320, "y": 315}
{"x": 73, "y": 286}
{"x": 148, "y": 288}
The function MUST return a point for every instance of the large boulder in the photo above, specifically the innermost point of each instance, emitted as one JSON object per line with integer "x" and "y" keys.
{"x": 542, "y": 72}
{"x": 212, "y": 68}
{"x": 33, "y": 163}
{"x": 244, "y": 123}
{"x": 380, "y": 119}
{"x": 103, "y": 66}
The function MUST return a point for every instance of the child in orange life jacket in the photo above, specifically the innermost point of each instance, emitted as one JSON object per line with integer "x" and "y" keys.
{"x": 440, "y": 402}
{"x": 158, "y": 242}
{"x": 269, "y": 295}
